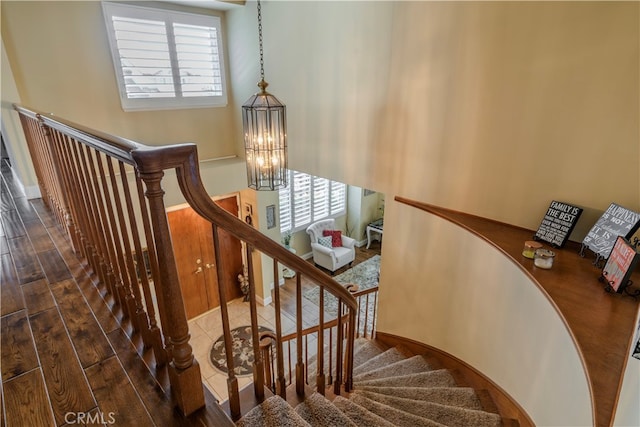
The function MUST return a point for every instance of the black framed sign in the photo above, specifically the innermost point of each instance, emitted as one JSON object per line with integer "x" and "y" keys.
{"x": 558, "y": 223}
{"x": 615, "y": 221}
{"x": 620, "y": 265}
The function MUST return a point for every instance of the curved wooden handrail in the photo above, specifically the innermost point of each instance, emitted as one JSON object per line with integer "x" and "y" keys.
{"x": 184, "y": 158}
{"x": 76, "y": 171}
{"x": 595, "y": 341}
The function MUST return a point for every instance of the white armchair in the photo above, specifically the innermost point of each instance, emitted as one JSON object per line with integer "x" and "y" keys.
{"x": 331, "y": 258}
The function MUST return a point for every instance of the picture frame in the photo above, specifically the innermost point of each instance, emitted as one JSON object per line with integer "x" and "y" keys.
{"x": 619, "y": 265}
{"x": 271, "y": 216}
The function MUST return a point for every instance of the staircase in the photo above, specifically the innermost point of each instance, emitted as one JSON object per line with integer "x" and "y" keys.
{"x": 391, "y": 388}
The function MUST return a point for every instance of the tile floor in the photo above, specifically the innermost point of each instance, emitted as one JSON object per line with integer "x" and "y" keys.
{"x": 206, "y": 328}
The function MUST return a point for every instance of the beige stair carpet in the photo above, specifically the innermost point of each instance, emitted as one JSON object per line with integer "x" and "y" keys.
{"x": 452, "y": 416}
{"x": 395, "y": 416}
{"x": 403, "y": 367}
{"x": 318, "y": 411}
{"x": 273, "y": 412}
{"x": 390, "y": 389}
{"x": 464, "y": 397}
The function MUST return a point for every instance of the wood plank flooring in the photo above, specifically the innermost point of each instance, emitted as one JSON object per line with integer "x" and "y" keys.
{"x": 64, "y": 356}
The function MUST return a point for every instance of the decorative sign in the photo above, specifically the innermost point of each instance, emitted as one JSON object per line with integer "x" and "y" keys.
{"x": 616, "y": 221}
{"x": 558, "y": 223}
{"x": 620, "y": 264}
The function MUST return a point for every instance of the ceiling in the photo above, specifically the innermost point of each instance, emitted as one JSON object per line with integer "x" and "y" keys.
{"x": 209, "y": 4}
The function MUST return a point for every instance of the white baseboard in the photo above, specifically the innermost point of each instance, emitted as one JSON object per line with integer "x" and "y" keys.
{"x": 264, "y": 302}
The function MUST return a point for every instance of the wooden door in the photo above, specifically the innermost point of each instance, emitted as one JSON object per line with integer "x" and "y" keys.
{"x": 192, "y": 238}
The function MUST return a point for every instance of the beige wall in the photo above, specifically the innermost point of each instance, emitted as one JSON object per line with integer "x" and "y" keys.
{"x": 461, "y": 295}
{"x": 61, "y": 62}
{"x": 493, "y": 108}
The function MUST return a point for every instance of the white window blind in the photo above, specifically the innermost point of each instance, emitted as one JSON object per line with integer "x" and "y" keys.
{"x": 308, "y": 199}
{"x": 165, "y": 59}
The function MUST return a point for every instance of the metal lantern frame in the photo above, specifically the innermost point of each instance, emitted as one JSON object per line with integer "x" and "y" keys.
{"x": 264, "y": 124}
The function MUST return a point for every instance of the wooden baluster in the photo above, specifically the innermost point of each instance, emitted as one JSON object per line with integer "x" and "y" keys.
{"x": 82, "y": 209}
{"x": 27, "y": 125}
{"x": 366, "y": 316}
{"x": 73, "y": 189}
{"x": 330, "y": 351}
{"x": 348, "y": 369}
{"x": 280, "y": 380}
{"x": 339, "y": 343}
{"x": 90, "y": 231}
{"x": 373, "y": 315}
{"x": 232, "y": 381}
{"x": 289, "y": 364}
{"x": 125, "y": 259}
{"x": 162, "y": 353}
{"x": 106, "y": 234}
{"x": 151, "y": 336}
{"x": 97, "y": 245}
{"x": 306, "y": 355}
{"x": 114, "y": 244}
{"x": 300, "y": 364}
{"x": 320, "y": 378}
{"x": 65, "y": 187}
{"x": 266, "y": 343}
{"x": 184, "y": 370}
{"x": 258, "y": 363}
{"x": 50, "y": 172}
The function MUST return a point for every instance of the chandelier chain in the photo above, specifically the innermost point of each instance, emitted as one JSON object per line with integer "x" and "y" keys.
{"x": 260, "y": 41}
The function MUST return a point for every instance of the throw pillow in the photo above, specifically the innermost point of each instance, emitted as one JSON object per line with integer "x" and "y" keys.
{"x": 336, "y": 237}
{"x": 325, "y": 241}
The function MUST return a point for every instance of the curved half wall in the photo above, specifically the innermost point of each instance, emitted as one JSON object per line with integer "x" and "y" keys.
{"x": 446, "y": 287}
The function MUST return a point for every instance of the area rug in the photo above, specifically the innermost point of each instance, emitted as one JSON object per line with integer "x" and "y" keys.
{"x": 365, "y": 275}
{"x": 242, "y": 351}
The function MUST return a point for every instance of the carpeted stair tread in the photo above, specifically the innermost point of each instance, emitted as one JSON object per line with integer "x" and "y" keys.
{"x": 464, "y": 397}
{"x": 273, "y": 412}
{"x": 452, "y": 416}
{"x": 364, "y": 350}
{"x": 359, "y": 415}
{"x": 395, "y": 416}
{"x": 390, "y": 356}
{"x": 437, "y": 378}
{"x": 319, "y": 412}
{"x": 408, "y": 366}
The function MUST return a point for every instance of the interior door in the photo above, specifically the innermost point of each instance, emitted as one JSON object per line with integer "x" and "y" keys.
{"x": 192, "y": 238}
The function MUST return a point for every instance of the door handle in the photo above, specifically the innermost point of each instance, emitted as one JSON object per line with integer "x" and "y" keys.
{"x": 199, "y": 270}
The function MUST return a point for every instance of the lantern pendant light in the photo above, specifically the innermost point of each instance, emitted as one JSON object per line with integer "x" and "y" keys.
{"x": 265, "y": 134}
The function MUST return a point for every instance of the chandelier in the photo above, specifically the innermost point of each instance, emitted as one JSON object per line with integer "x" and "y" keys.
{"x": 265, "y": 134}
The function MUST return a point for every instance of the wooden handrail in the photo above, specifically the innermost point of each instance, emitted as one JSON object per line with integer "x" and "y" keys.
{"x": 586, "y": 315}
{"x": 71, "y": 157}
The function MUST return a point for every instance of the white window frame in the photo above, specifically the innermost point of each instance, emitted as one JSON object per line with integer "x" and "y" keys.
{"x": 330, "y": 209}
{"x": 169, "y": 17}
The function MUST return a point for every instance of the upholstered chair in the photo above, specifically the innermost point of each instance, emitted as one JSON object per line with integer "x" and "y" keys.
{"x": 326, "y": 254}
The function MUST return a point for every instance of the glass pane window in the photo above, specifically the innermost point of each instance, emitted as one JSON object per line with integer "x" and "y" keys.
{"x": 308, "y": 199}
{"x": 165, "y": 59}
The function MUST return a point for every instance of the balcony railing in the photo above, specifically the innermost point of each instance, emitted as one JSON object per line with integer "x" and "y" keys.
{"x": 117, "y": 221}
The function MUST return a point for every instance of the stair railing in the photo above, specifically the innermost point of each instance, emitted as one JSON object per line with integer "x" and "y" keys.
{"x": 107, "y": 192}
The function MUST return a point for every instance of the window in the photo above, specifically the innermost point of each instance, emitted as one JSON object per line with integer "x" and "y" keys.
{"x": 165, "y": 59}
{"x": 308, "y": 199}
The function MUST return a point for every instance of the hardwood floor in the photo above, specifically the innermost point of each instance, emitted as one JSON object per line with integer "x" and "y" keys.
{"x": 64, "y": 356}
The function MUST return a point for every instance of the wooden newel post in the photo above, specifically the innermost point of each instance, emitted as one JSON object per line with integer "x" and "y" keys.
{"x": 184, "y": 370}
